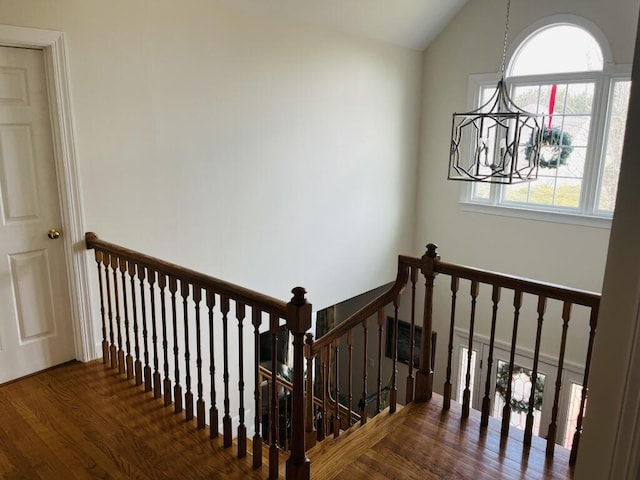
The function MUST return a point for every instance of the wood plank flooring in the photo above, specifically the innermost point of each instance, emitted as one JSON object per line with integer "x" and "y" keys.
{"x": 421, "y": 442}
{"x": 82, "y": 421}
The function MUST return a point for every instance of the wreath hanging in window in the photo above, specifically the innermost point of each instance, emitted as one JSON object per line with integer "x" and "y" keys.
{"x": 502, "y": 383}
{"x": 556, "y": 143}
{"x": 560, "y": 143}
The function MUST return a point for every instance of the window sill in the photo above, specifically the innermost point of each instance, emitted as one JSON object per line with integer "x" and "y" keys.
{"x": 537, "y": 215}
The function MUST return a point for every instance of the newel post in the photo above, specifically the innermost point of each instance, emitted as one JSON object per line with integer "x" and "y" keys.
{"x": 424, "y": 376}
{"x": 298, "y": 322}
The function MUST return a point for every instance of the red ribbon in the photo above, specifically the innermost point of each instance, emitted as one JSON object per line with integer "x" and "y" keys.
{"x": 552, "y": 103}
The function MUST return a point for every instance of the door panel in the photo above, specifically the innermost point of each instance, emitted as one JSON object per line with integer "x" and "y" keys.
{"x": 18, "y": 174}
{"x": 35, "y": 319}
{"x": 32, "y": 295}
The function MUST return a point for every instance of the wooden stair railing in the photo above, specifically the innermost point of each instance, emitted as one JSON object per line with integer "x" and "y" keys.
{"x": 541, "y": 295}
{"x": 285, "y": 389}
{"x": 133, "y": 297}
{"x": 332, "y": 378}
{"x": 139, "y": 293}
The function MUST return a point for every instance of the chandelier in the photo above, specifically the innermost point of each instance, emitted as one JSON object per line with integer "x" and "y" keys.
{"x": 498, "y": 142}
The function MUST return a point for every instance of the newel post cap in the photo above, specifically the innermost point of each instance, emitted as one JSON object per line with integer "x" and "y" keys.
{"x": 428, "y": 260}
{"x": 89, "y": 238}
{"x": 298, "y": 311}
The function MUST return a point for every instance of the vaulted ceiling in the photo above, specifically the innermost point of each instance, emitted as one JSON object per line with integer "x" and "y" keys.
{"x": 406, "y": 23}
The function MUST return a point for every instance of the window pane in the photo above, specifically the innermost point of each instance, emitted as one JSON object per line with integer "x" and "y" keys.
{"x": 575, "y": 397}
{"x": 481, "y": 191}
{"x": 567, "y": 192}
{"x": 557, "y": 49}
{"x": 462, "y": 372}
{"x": 579, "y": 98}
{"x": 613, "y": 147}
{"x": 521, "y": 386}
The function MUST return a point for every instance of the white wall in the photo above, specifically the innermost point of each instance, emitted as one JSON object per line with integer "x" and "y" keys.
{"x": 557, "y": 253}
{"x": 472, "y": 43}
{"x": 256, "y": 150}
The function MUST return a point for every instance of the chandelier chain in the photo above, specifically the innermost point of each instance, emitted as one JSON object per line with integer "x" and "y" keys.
{"x": 504, "y": 43}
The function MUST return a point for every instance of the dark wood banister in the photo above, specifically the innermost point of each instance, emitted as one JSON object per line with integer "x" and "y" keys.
{"x": 549, "y": 290}
{"x": 365, "y": 312}
{"x": 430, "y": 265}
{"x": 297, "y": 314}
{"x": 267, "y": 304}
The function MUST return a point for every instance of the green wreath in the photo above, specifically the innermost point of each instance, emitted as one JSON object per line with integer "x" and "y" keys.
{"x": 561, "y": 143}
{"x": 503, "y": 381}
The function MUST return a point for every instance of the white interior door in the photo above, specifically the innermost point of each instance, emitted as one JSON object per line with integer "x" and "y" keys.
{"x": 35, "y": 318}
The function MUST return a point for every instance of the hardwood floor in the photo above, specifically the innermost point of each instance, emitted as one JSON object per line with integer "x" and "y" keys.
{"x": 82, "y": 421}
{"x": 421, "y": 442}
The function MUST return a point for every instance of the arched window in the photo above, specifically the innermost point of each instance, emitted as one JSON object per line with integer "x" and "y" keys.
{"x": 564, "y": 71}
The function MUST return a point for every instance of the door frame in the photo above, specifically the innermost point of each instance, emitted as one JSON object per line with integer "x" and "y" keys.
{"x": 52, "y": 43}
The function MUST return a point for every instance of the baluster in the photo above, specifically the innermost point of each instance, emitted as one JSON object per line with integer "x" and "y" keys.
{"x": 188, "y": 396}
{"x": 162, "y": 282}
{"x": 256, "y": 318}
{"x": 380, "y": 333}
{"x": 506, "y": 411}
{"x": 213, "y": 410}
{"x": 114, "y": 269}
{"x": 267, "y": 428}
{"x": 365, "y": 327}
{"x": 486, "y": 401}
{"x": 528, "y": 430}
{"x": 157, "y": 386}
{"x": 273, "y": 406}
{"x": 455, "y": 283}
{"x": 148, "y": 386}
{"x": 242, "y": 429}
{"x": 551, "y": 434}
{"x": 336, "y": 373}
{"x": 593, "y": 323}
{"x": 310, "y": 424}
{"x": 466, "y": 396}
{"x": 197, "y": 297}
{"x": 105, "y": 344}
{"x": 349, "y": 379}
{"x": 226, "y": 420}
{"x": 424, "y": 377}
{"x": 412, "y": 338}
{"x": 177, "y": 389}
{"x": 137, "y": 365}
{"x": 285, "y": 420}
{"x": 113, "y": 352}
{"x": 326, "y": 394}
{"x": 125, "y": 307}
{"x": 393, "y": 394}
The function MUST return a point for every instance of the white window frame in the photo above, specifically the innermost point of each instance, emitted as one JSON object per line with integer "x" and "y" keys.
{"x": 587, "y": 214}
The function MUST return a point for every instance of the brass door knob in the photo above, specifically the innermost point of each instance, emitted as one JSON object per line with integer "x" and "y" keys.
{"x": 53, "y": 234}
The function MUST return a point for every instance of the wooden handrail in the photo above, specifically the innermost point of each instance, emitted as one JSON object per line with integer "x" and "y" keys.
{"x": 430, "y": 266}
{"x": 525, "y": 285}
{"x": 177, "y": 299}
{"x": 267, "y": 304}
{"x": 513, "y": 282}
{"x": 365, "y": 312}
{"x": 139, "y": 277}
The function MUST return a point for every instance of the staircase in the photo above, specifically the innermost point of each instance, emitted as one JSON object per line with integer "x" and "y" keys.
{"x": 177, "y": 334}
